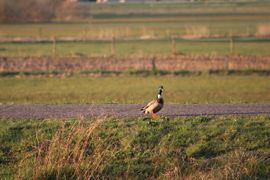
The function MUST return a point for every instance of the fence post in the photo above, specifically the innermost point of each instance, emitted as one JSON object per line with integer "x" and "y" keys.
{"x": 40, "y": 32}
{"x": 231, "y": 44}
{"x": 154, "y": 67}
{"x": 85, "y": 34}
{"x": 226, "y": 63}
{"x": 113, "y": 46}
{"x": 54, "y": 45}
{"x": 173, "y": 45}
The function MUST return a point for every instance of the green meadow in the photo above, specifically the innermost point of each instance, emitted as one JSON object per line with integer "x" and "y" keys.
{"x": 135, "y": 89}
{"x": 200, "y": 147}
{"x": 166, "y": 28}
{"x": 160, "y": 19}
{"x": 138, "y": 24}
{"x": 135, "y": 48}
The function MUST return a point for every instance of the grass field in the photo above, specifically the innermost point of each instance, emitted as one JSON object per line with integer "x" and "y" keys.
{"x": 173, "y": 7}
{"x": 181, "y": 89}
{"x": 181, "y": 148}
{"x": 152, "y": 19}
{"x": 141, "y": 27}
{"x": 147, "y": 21}
{"x": 135, "y": 48}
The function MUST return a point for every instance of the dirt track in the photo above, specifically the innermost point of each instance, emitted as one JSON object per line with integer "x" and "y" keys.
{"x": 128, "y": 110}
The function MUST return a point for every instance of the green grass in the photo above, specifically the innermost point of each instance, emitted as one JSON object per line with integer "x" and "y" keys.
{"x": 195, "y": 7}
{"x": 126, "y": 21}
{"x": 160, "y": 19}
{"x": 167, "y": 148}
{"x": 178, "y": 89}
{"x": 126, "y": 28}
{"x": 135, "y": 48}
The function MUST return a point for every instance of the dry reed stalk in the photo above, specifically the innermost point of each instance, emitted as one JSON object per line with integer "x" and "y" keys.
{"x": 263, "y": 29}
{"x": 197, "y": 31}
{"x": 67, "y": 147}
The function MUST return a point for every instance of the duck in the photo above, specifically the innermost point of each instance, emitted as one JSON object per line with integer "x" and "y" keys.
{"x": 155, "y": 105}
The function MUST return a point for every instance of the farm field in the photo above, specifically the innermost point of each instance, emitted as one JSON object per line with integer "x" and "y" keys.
{"x": 196, "y": 147}
{"x": 73, "y": 77}
{"x": 161, "y": 8}
{"x": 126, "y": 24}
{"x": 140, "y": 29}
{"x": 136, "y": 20}
{"x": 152, "y": 20}
{"x": 135, "y": 31}
{"x": 178, "y": 89}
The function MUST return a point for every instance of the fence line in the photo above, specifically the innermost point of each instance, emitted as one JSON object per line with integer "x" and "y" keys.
{"x": 172, "y": 45}
{"x": 175, "y": 38}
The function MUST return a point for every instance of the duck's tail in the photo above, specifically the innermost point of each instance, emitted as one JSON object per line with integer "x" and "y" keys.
{"x": 143, "y": 110}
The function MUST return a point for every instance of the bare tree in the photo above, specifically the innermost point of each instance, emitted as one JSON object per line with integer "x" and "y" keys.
{"x": 29, "y": 10}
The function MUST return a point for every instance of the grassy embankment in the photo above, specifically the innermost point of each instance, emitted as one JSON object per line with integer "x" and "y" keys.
{"x": 196, "y": 147}
{"x": 178, "y": 89}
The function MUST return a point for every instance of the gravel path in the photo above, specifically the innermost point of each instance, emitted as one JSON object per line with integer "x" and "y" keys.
{"x": 128, "y": 110}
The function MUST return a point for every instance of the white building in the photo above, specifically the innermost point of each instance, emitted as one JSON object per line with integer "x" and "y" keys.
{"x": 105, "y": 1}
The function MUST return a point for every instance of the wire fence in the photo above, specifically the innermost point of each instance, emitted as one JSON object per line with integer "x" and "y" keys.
{"x": 136, "y": 47}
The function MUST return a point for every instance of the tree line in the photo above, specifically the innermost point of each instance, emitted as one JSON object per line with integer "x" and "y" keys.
{"x": 14, "y": 11}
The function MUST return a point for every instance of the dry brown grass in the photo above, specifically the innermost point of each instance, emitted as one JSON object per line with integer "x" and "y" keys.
{"x": 238, "y": 164}
{"x": 197, "y": 31}
{"x": 65, "y": 154}
{"x": 263, "y": 30}
{"x": 181, "y": 62}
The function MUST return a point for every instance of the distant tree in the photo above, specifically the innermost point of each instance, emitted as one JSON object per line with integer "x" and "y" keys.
{"x": 2, "y": 18}
{"x": 66, "y": 11}
{"x": 29, "y": 10}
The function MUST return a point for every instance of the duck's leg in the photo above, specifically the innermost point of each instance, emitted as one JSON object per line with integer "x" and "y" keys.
{"x": 154, "y": 116}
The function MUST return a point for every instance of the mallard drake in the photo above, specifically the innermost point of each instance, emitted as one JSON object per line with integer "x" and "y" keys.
{"x": 156, "y": 105}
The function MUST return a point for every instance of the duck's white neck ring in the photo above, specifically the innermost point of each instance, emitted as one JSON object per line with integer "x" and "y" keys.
{"x": 159, "y": 96}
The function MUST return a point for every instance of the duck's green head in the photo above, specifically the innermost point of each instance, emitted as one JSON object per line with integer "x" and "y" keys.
{"x": 160, "y": 90}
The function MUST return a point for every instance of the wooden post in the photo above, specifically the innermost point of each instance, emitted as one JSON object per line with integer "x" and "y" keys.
{"x": 85, "y": 34}
{"x": 54, "y": 45}
{"x": 40, "y": 32}
{"x": 113, "y": 46}
{"x": 154, "y": 68}
{"x": 231, "y": 44}
{"x": 226, "y": 63}
{"x": 173, "y": 46}
{"x": 248, "y": 31}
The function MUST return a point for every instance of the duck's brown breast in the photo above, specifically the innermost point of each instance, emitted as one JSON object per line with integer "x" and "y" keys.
{"x": 160, "y": 100}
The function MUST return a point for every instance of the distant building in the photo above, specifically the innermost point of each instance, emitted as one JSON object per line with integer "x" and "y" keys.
{"x": 71, "y": 1}
{"x": 105, "y": 1}
{"x": 102, "y": 1}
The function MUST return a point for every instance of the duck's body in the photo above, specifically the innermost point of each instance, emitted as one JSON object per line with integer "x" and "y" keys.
{"x": 155, "y": 105}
